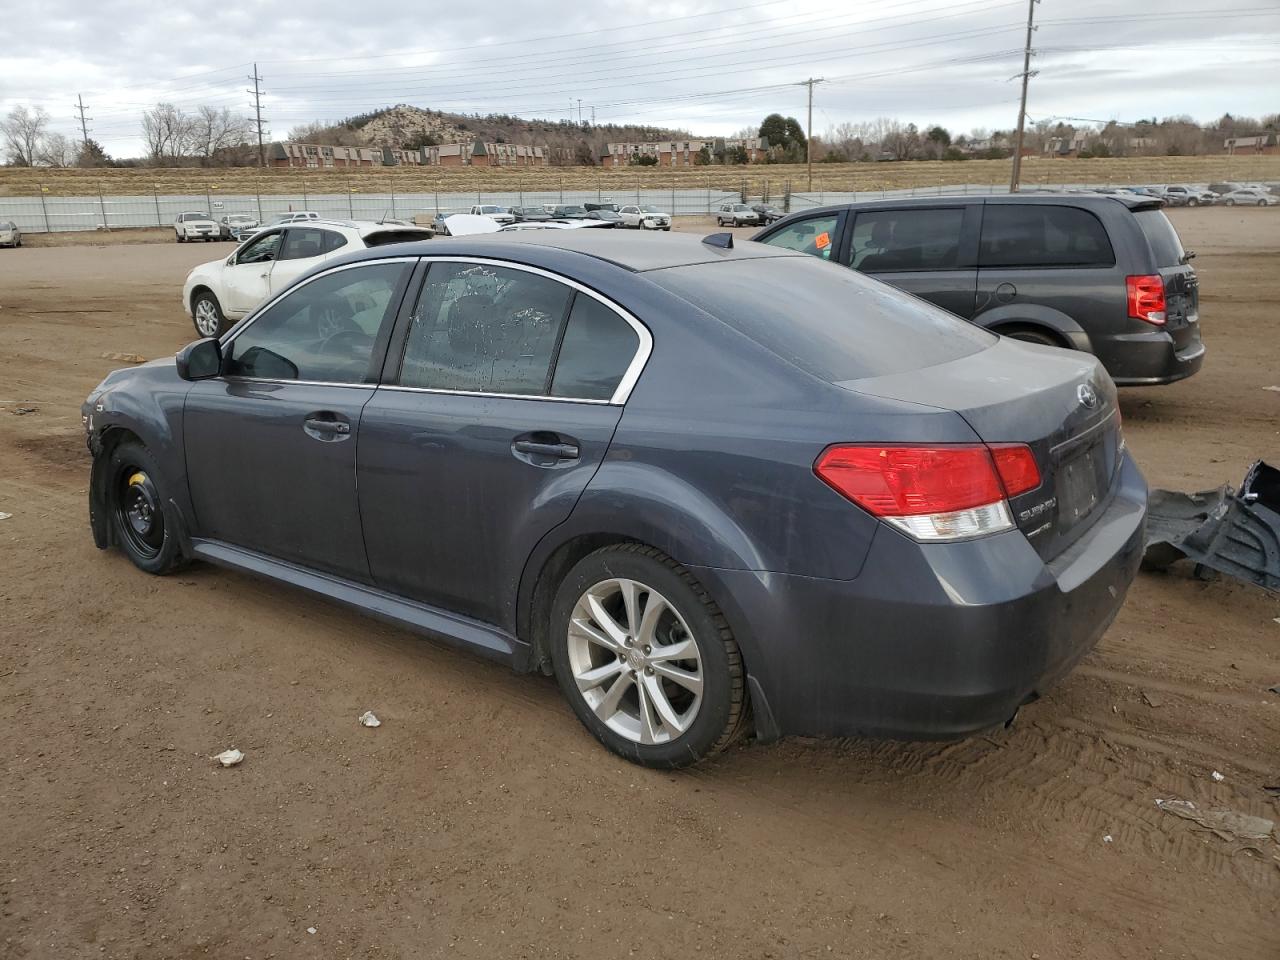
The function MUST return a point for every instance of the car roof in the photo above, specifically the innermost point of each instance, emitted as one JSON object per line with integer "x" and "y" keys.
{"x": 635, "y": 252}
{"x": 1131, "y": 201}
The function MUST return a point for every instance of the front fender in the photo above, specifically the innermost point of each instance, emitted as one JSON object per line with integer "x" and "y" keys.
{"x": 1035, "y": 315}
{"x": 144, "y": 402}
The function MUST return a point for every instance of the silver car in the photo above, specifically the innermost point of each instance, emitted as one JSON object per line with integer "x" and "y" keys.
{"x": 10, "y": 235}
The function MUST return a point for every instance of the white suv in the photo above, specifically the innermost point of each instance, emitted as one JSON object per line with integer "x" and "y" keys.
{"x": 195, "y": 226}
{"x": 736, "y": 215}
{"x": 645, "y": 216}
{"x": 222, "y": 291}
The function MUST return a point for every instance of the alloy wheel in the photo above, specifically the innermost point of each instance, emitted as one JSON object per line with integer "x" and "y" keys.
{"x": 206, "y": 316}
{"x": 635, "y": 661}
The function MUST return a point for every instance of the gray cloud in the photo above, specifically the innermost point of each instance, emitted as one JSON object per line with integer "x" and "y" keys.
{"x": 709, "y": 67}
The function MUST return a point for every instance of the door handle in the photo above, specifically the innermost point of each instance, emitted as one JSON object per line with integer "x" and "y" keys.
{"x": 326, "y": 429}
{"x": 557, "y": 451}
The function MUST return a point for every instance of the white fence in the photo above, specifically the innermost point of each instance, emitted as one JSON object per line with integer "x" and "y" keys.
{"x": 49, "y": 214}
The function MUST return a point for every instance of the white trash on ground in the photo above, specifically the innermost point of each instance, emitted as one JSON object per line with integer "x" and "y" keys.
{"x": 369, "y": 720}
{"x": 1227, "y": 824}
{"x": 1217, "y": 777}
{"x": 229, "y": 758}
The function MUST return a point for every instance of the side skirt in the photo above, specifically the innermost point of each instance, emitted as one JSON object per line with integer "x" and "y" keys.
{"x": 458, "y": 631}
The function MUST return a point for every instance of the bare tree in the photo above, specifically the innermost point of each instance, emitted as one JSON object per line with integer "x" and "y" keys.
{"x": 167, "y": 131}
{"x": 56, "y": 151}
{"x": 24, "y": 132}
{"x": 213, "y": 130}
{"x": 846, "y": 139}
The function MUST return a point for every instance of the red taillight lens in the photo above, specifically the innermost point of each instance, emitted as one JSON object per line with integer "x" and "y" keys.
{"x": 1146, "y": 298}
{"x": 1017, "y": 467}
{"x": 893, "y": 481}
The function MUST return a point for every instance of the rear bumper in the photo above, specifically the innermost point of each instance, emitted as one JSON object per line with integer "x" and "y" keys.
{"x": 931, "y": 641}
{"x": 1148, "y": 358}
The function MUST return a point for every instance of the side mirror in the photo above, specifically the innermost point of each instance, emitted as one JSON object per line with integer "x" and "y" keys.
{"x": 200, "y": 360}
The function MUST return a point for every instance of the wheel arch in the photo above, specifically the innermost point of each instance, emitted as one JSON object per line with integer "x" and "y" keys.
{"x": 1030, "y": 316}
{"x": 200, "y": 288}
{"x": 542, "y": 579}
{"x": 103, "y": 444}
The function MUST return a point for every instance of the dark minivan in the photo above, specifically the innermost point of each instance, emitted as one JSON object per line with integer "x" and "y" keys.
{"x": 1104, "y": 274}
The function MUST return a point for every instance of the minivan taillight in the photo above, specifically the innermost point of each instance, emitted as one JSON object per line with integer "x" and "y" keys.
{"x": 1146, "y": 298}
{"x": 942, "y": 492}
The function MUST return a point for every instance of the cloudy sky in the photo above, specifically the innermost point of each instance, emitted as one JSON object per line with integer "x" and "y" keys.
{"x": 711, "y": 66}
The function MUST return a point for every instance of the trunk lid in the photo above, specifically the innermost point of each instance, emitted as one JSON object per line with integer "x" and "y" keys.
{"x": 1060, "y": 403}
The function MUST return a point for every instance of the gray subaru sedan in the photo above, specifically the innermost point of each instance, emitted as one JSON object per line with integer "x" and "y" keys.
{"x": 712, "y": 488}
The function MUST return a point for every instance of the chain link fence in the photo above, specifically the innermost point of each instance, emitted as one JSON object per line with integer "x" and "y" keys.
{"x": 52, "y": 214}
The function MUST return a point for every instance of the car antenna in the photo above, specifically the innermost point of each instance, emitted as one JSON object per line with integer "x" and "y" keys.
{"x": 722, "y": 240}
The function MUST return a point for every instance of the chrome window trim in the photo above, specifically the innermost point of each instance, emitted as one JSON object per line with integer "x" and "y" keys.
{"x": 629, "y": 377}
{"x": 620, "y": 394}
{"x": 395, "y": 387}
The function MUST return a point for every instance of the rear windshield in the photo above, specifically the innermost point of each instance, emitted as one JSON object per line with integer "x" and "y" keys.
{"x": 1165, "y": 245}
{"x": 828, "y": 320}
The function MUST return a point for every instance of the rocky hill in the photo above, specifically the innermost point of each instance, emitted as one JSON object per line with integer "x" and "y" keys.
{"x": 407, "y": 126}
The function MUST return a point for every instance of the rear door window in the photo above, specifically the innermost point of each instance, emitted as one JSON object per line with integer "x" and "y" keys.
{"x": 302, "y": 243}
{"x": 895, "y": 241}
{"x": 1041, "y": 235}
{"x": 1163, "y": 239}
{"x": 814, "y": 236}
{"x": 484, "y": 329}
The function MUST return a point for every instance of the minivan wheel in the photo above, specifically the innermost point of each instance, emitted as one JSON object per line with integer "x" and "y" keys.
{"x": 1032, "y": 335}
{"x": 137, "y": 510}
{"x": 206, "y": 314}
{"x": 646, "y": 659}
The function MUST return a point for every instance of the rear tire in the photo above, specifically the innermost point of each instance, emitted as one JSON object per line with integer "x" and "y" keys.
{"x": 139, "y": 520}
{"x": 646, "y": 659}
{"x": 1229, "y": 203}
{"x": 1032, "y": 335}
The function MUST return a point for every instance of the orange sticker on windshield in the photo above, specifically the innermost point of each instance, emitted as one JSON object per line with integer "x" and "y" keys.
{"x": 822, "y": 241}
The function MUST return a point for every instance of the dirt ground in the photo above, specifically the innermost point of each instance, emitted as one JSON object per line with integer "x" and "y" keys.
{"x": 481, "y": 821}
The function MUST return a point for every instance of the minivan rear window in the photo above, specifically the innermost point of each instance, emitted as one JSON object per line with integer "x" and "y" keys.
{"x": 831, "y": 322}
{"x": 1041, "y": 235}
{"x": 1165, "y": 245}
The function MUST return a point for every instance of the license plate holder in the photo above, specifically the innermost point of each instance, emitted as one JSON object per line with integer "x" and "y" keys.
{"x": 1080, "y": 485}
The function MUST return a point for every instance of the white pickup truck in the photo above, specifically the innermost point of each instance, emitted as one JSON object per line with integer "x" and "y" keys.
{"x": 493, "y": 212}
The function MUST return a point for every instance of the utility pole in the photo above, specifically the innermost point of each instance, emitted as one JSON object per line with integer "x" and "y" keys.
{"x": 808, "y": 131}
{"x": 257, "y": 110}
{"x": 84, "y": 121}
{"x": 1022, "y": 108}
{"x": 579, "y": 111}
{"x": 593, "y": 116}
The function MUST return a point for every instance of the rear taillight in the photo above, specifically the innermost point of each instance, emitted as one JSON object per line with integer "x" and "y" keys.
{"x": 940, "y": 492}
{"x": 1146, "y": 298}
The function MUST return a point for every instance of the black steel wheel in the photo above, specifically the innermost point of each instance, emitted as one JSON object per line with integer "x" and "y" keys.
{"x": 139, "y": 518}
